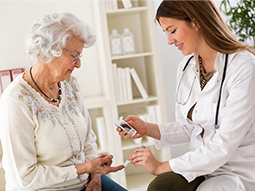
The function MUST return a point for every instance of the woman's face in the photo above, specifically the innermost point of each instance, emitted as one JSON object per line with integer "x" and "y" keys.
{"x": 185, "y": 36}
{"x": 64, "y": 65}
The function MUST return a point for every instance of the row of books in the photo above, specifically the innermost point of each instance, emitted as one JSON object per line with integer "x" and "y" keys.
{"x": 113, "y": 4}
{"x": 7, "y": 76}
{"x": 152, "y": 115}
{"x": 123, "y": 83}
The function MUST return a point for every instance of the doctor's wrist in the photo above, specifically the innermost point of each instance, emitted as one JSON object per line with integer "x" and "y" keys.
{"x": 152, "y": 130}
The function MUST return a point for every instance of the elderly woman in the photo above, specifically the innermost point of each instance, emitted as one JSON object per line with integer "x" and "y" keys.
{"x": 46, "y": 133}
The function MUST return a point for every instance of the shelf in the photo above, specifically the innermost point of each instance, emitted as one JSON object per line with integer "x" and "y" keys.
{"x": 138, "y": 100}
{"x": 139, "y": 182}
{"x": 125, "y": 11}
{"x": 96, "y": 102}
{"x": 99, "y": 151}
{"x": 132, "y": 55}
{"x": 128, "y": 144}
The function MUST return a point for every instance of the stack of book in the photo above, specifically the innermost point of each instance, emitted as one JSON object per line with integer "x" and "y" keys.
{"x": 123, "y": 83}
{"x": 7, "y": 76}
{"x": 113, "y": 4}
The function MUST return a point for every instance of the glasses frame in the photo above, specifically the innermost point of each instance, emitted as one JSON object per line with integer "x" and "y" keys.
{"x": 73, "y": 55}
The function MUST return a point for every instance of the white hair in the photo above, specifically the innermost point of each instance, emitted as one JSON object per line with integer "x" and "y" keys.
{"x": 49, "y": 34}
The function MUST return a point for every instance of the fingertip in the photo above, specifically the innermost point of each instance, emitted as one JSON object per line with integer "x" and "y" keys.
{"x": 111, "y": 156}
{"x": 137, "y": 135}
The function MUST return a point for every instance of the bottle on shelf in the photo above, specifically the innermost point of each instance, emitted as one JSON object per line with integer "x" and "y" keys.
{"x": 115, "y": 41}
{"x": 127, "y": 39}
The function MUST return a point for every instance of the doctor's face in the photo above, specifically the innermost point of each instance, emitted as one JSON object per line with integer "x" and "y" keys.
{"x": 185, "y": 36}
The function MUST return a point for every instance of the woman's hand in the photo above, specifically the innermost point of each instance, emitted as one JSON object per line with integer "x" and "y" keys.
{"x": 94, "y": 183}
{"x": 144, "y": 157}
{"x": 142, "y": 128}
{"x": 100, "y": 165}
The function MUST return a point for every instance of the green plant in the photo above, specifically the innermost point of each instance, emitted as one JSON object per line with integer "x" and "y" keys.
{"x": 242, "y": 17}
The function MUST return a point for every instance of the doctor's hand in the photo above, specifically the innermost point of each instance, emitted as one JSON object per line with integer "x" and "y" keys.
{"x": 142, "y": 128}
{"x": 138, "y": 124}
{"x": 144, "y": 157}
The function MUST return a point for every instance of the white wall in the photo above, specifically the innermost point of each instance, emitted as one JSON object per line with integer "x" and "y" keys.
{"x": 16, "y": 18}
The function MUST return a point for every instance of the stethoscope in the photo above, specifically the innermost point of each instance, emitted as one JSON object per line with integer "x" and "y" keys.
{"x": 216, "y": 126}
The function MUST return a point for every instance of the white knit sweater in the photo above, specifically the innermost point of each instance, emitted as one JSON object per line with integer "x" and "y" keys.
{"x": 41, "y": 142}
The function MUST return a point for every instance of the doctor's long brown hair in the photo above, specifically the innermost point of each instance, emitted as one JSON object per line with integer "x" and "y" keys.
{"x": 215, "y": 32}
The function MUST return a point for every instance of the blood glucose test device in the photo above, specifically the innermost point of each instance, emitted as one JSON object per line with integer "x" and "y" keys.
{"x": 125, "y": 126}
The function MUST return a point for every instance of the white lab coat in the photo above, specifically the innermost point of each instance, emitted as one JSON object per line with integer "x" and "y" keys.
{"x": 226, "y": 156}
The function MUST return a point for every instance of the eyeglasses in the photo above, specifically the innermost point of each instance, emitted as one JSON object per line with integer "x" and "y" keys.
{"x": 73, "y": 56}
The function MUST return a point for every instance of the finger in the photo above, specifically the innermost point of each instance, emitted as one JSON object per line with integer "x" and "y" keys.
{"x": 128, "y": 118}
{"x": 108, "y": 163}
{"x": 123, "y": 132}
{"x": 102, "y": 155}
{"x": 137, "y": 135}
{"x": 106, "y": 159}
{"x": 116, "y": 168}
{"x": 127, "y": 136}
{"x": 118, "y": 129}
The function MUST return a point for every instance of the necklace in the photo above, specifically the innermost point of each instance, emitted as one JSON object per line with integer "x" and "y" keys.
{"x": 51, "y": 99}
{"x": 204, "y": 78}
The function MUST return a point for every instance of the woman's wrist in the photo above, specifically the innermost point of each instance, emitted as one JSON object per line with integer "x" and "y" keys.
{"x": 82, "y": 168}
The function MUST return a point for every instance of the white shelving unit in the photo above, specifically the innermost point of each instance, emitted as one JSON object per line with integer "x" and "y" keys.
{"x": 146, "y": 61}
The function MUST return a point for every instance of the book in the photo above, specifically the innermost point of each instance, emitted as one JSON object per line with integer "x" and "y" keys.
{"x": 124, "y": 84}
{"x": 120, "y": 89}
{"x": 152, "y": 113}
{"x": 138, "y": 83}
{"x": 108, "y": 5}
{"x": 114, "y": 4}
{"x": 16, "y": 72}
{"x": 126, "y": 3}
{"x": 5, "y": 79}
{"x": 116, "y": 81}
{"x": 129, "y": 84}
{"x": 101, "y": 133}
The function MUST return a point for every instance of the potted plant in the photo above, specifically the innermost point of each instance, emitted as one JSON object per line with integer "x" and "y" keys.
{"x": 242, "y": 18}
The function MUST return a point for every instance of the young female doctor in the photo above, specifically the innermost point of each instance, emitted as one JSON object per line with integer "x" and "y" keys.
{"x": 215, "y": 106}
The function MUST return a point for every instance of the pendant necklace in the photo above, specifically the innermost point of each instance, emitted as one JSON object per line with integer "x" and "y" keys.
{"x": 51, "y": 99}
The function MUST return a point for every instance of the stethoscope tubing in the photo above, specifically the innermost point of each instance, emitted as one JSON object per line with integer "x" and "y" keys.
{"x": 216, "y": 126}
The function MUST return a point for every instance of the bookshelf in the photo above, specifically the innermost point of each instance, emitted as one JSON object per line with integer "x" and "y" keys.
{"x": 97, "y": 81}
{"x": 146, "y": 61}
